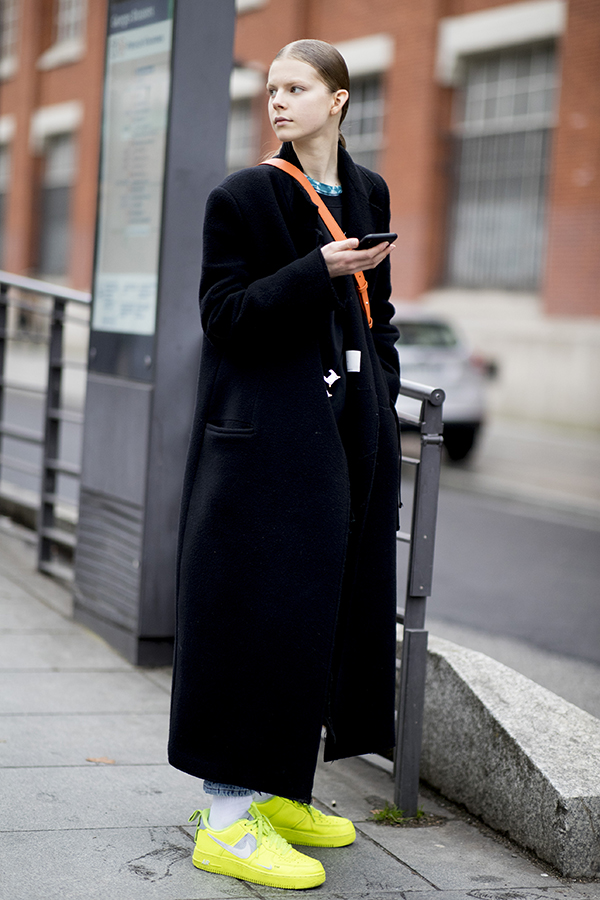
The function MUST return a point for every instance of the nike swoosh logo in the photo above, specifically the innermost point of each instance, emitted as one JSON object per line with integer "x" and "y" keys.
{"x": 242, "y": 850}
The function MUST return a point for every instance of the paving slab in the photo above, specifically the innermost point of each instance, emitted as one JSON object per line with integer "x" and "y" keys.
{"x": 353, "y": 788}
{"x": 109, "y": 864}
{"x": 161, "y": 677}
{"x": 561, "y": 893}
{"x": 459, "y": 857}
{"x": 57, "y": 649}
{"x": 98, "y": 796}
{"x": 18, "y": 568}
{"x": 20, "y": 611}
{"x": 129, "y": 739}
{"x": 362, "y": 870}
{"x": 80, "y": 692}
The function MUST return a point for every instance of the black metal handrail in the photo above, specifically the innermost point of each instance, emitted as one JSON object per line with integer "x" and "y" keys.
{"x": 421, "y": 540}
{"x": 50, "y": 535}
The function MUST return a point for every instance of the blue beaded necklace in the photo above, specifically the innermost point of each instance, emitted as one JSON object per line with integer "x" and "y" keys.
{"x": 329, "y": 190}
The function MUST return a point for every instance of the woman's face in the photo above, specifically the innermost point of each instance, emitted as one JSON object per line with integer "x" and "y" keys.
{"x": 300, "y": 104}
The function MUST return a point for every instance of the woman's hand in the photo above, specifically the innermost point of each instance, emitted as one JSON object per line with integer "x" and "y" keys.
{"x": 342, "y": 258}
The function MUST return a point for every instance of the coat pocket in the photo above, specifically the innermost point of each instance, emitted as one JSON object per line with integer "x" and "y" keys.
{"x": 230, "y": 428}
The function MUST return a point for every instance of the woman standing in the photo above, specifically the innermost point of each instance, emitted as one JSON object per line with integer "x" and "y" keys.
{"x": 286, "y": 581}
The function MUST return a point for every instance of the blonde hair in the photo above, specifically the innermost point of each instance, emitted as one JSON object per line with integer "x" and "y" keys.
{"x": 329, "y": 64}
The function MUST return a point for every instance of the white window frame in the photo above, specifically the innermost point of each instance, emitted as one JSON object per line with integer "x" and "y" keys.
{"x": 372, "y": 55}
{"x": 9, "y": 37}
{"x": 58, "y": 118}
{"x": 366, "y": 147}
{"x": 244, "y": 85}
{"x": 494, "y": 29}
{"x": 369, "y": 55}
{"x": 244, "y": 6}
{"x": 8, "y": 126}
{"x": 70, "y": 26}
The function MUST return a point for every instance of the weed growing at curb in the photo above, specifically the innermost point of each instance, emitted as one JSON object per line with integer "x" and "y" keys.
{"x": 391, "y": 815}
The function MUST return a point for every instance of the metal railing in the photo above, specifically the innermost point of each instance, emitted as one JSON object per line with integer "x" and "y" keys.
{"x": 421, "y": 541}
{"x": 21, "y": 296}
{"x": 24, "y": 301}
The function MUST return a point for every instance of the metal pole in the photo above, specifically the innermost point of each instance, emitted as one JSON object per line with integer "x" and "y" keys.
{"x": 46, "y": 519}
{"x": 413, "y": 667}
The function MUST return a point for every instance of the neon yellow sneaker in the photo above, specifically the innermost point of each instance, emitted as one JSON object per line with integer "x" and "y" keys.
{"x": 252, "y": 850}
{"x": 300, "y": 823}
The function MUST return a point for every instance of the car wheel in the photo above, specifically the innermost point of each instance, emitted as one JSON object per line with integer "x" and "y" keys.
{"x": 459, "y": 440}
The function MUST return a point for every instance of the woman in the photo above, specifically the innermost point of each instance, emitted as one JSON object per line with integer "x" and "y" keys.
{"x": 286, "y": 593}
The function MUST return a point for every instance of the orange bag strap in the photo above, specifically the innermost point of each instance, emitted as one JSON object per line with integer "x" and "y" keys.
{"x": 330, "y": 223}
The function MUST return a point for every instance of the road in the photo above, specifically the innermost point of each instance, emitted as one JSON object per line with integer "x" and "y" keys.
{"x": 512, "y": 570}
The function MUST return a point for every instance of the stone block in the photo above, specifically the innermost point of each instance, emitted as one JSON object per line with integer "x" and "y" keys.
{"x": 523, "y": 759}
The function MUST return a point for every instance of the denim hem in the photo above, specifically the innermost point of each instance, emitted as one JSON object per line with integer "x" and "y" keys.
{"x": 214, "y": 788}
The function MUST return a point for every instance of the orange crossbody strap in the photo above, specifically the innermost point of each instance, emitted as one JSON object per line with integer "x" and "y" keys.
{"x": 330, "y": 223}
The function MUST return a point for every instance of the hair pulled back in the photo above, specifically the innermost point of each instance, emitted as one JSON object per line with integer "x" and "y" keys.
{"x": 329, "y": 64}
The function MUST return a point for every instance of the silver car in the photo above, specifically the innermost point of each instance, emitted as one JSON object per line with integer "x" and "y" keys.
{"x": 434, "y": 354}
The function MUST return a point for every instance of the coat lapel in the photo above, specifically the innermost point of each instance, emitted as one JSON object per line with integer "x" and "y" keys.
{"x": 361, "y": 216}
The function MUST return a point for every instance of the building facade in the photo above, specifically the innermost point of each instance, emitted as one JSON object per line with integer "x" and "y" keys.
{"x": 51, "y": 71}
{"x": 483, "y": 116}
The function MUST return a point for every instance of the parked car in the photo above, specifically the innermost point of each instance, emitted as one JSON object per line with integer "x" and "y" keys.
{"x": 433, "y": 353}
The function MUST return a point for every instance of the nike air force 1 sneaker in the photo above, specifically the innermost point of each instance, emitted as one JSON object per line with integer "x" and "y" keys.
{"x": 252, "y": 850}
{"x": 300, "y": 823}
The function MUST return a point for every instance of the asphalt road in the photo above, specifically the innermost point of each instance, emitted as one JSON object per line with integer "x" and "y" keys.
{"x": 519, "y": 571}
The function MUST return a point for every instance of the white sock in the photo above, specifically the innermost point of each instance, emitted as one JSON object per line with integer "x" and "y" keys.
{"x": 224, "y": 811}
{"x": 259, "y": 797}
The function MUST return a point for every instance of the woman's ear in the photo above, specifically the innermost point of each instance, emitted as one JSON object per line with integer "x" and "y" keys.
{"x": 339, "y": 99}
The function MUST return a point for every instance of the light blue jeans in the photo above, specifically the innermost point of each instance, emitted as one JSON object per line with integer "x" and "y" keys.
{"x": 214, "y": 788}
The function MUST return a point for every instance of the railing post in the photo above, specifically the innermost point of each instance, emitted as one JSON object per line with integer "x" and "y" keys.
{"x": 413, "y": 667}
{"x": 46, "y": 516}
{"x": 410, "y": 720}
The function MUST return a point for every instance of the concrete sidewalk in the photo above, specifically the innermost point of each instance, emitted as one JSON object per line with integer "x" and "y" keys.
{"x": 91, "y": 809}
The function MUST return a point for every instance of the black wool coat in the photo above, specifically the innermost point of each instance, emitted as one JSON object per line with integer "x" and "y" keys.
{"x": 286, "y": 579}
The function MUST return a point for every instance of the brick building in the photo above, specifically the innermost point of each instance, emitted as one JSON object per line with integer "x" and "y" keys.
{"x": 483, "y": 116}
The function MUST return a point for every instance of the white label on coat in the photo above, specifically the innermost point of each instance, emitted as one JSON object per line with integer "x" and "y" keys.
{"x": 353, "y": 360}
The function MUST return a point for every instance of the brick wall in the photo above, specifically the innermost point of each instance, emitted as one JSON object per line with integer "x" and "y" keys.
{"x": 417, "y": 154}
{"x": 21, "y": 95}
{"x": 572, "y": 284}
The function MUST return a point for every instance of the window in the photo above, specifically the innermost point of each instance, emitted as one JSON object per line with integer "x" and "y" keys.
{"x": 4, "y": 178}
{"x": 9, "y": 32}
{"x": 59, "y": 173}
{"x": 241, "y": 135}
{"x": 70, "y": 20}
{"x": 505, "y": 113}
{"x": 363, "y": 125}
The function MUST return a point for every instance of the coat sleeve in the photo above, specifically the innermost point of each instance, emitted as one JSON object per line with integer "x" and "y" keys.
{"x": 243, "y": 291}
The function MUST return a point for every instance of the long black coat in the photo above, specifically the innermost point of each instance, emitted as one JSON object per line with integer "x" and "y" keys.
{"x": 286, "y": 580}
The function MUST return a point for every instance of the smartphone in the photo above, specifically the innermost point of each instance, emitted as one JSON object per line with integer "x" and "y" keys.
{"x": 371, "y": 240}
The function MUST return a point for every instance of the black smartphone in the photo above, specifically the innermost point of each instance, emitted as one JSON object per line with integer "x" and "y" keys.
{"x": 371, "y": 240}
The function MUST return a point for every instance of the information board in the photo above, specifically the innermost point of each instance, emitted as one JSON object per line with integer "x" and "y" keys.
{"x": 134, "y": 130}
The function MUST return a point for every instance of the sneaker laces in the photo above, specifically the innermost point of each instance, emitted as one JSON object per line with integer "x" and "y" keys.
{"x": 313, "y": 812}
{"x": 259, "y": 825}
{"x": 262, "y": 828}
{"x": 197, "y": 814}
